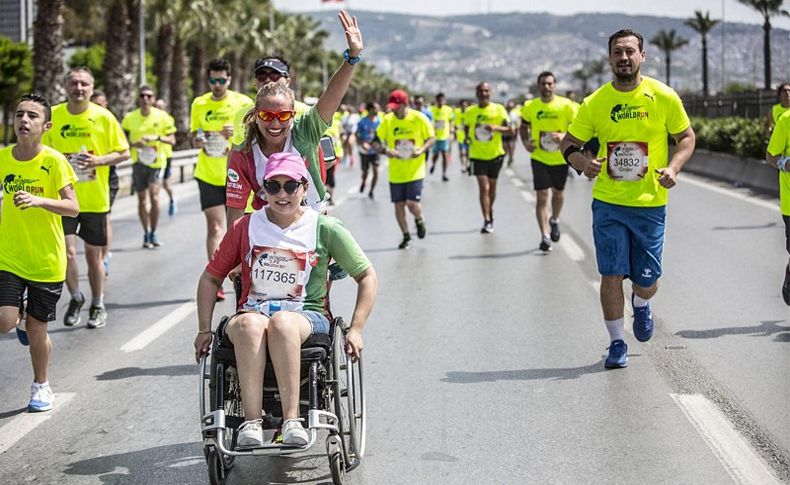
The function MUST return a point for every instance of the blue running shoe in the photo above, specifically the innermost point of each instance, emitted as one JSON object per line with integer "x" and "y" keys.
{"x": 643, "y": 322}
{"x": 21, "y": 334}
{"x": 41, "y": 398}
{"x": 171, "y": 208}
{"x": 618, "y": 355}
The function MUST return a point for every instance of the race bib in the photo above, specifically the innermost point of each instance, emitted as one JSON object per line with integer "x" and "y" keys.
{"x": 547, "y": 143}
{"x": 147, "y": 155}
{"x": 626, "y": 160}
{"x": 277, "y": 274}
{"x": 216, "y": 145}
{"x": 482, "y": 134}
{"x": 439, "y": 125}
{"x": 84, "y": 174}
{"x": 405, "y": 148}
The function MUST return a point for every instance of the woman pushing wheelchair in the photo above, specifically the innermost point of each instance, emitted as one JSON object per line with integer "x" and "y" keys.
{"x": 284, "y": 250}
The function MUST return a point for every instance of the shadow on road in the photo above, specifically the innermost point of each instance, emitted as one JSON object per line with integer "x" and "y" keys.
{"x": 453, "y": 233}
{"x": 169, "y": 370}
{"x": 147, "y": 304}
{"x": 743, "y": 228}
{"x": 10, "y": 414}
{"x": 497, "y": 256}
{"x": 559, "y": 374}
{"x": 178, "y": 463}
{"x": 765, "y": 329}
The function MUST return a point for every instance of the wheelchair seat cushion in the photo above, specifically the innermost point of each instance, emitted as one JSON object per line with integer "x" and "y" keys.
{"x": 316, "y": 347}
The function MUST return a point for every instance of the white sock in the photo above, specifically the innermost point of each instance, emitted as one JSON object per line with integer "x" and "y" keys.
{"x": 640, "y": 302}
{"x": 98, "y": 301}
{"x": 552, "y": 219}
{"x": 616, "y": 329}
{"x": 77, "y": 295}
{"x": 41, "y": 384}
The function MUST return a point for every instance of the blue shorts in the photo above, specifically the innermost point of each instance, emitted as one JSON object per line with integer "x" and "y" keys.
{"x": 406, "y": 191}
{"x": 463, "y": 146}
{"x": 441, "y": 146}
{"x": 629, "y": 241}
{"x": 318, "y": 321}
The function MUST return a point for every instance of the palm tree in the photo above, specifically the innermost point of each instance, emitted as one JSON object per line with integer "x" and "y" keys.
{"x": 598, "y": 68}
{"x": 48, "y": 50}
{"x": 768, "y": 9}
{"x": 703, "y": 24}
{"x": 668, "y": 42}
{"x": 584, "y": 75}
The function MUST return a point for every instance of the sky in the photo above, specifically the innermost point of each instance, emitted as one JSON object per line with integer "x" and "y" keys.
{"x": 733, "y": 10}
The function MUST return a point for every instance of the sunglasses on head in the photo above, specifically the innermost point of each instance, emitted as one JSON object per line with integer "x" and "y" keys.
{"x": 218, "y": 80}
{"x": 268, "y": 116}
{"x": 272, "y": 187}
{"x": 272, "y": 76}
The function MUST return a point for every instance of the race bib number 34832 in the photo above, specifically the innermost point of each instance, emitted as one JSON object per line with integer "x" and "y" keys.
{"x": 626, "y": 160}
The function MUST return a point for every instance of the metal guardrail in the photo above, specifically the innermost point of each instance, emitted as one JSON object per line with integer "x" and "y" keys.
{"x": 181, "y": 159}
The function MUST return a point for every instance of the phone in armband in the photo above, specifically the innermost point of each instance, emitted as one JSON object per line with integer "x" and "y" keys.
{"x": 328, "y": 149}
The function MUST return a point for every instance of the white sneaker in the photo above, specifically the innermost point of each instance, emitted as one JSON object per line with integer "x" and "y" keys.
{"x": 250, "y": 434}
{"x": 41, "y": 398}
{"x": 294, "y": 433}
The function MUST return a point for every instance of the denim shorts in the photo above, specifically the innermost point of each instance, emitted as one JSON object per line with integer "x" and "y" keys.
{"x": 629, "y": 241}
{"x": 441, "y": 146}
{"x": 319, "y": 324}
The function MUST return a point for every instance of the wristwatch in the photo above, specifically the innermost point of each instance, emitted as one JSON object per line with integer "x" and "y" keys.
{"x": 351, "y": 60}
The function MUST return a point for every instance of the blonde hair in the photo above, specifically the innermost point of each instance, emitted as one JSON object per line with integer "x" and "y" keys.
{"x": 269, "y": 90}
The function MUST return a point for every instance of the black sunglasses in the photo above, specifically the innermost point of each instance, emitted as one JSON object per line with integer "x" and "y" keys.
{"x": 272, "y": 187}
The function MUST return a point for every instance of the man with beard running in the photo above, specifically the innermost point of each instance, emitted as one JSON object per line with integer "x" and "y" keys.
{"x": 632, "y": 117}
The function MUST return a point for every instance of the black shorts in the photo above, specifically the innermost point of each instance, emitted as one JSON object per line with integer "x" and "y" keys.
{"x": 143, "y": 177}
{"x": 406, "y": 191}
{"x": 91, "y": 227}
{"x": 113, "y": 194}
{"x": 787, "y": 232}
{"x": 488, "y": 168}
{"x": 42, "y": 298}
{"x": 549, "y": 176}
{"x": 114, "y": 185}
{"x": 330, "y": 176}
{"x": 368, "y": 160}
{"x": 210, "y": 195}
{"x": 168, "y": 169}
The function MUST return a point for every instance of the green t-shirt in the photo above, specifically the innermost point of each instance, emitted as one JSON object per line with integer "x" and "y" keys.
{"x": 442, "y": 120}
{"x": 483, "y": 144}
{"x": 460, "y": 133}
{"x": 32, "y": 244}
{"x": 780, "y": 145}
{"x": 633, "y": 128}
{"x": 404, "y": 136}
{"x": 545, "y": 119}
{"x": 240, "y": 130}
{"x": 97, "y": 130}
{"x": 211, "y": 116}
{"x": 157, "y": 123}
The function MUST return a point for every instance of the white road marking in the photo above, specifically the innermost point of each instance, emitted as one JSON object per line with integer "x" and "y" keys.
{"x": 596, "y": 286}
{"x": 730, "y": 192}
{"x": 528, "y": 196}
{"x": 572, "y": 248}
{"x": 24, "y": 423}
{"x": 517, "y": 182}
{"x": 509, "y": 172}
{"x": 143, "y": 339}
{"x": 738, "y": 458}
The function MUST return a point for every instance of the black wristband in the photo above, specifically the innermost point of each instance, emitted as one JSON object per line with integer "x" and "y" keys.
{"x": 567, "y": 155}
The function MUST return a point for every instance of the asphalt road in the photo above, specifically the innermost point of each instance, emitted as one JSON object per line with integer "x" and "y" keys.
{"x": 484, "y": 356}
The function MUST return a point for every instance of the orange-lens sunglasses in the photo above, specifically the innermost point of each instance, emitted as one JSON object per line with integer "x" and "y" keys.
{"x": 268, "y": 116}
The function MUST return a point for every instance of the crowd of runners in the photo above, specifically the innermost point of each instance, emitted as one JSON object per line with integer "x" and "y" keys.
{"x": 265, "y": 173}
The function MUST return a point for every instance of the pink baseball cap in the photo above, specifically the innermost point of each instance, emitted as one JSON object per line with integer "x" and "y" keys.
{"x": 286, "y": 163}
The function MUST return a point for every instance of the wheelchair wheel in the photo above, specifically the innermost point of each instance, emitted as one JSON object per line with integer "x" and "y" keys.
{"x": 216, "y": 467}
{"x": 232, "y": 406}
{"x": 349, "y": 400}
{"x": 336, "y": 463}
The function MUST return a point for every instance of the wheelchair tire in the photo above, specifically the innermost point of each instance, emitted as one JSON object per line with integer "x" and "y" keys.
{"x": 337, "y": 468}
{"x": 216, "y": 468}
{"x": 230, "y": 432}
{"x": 349, "y": 401}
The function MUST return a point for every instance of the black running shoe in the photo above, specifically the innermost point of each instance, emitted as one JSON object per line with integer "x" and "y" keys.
{"x": 786, "y": 286}
{"x": 420, "y": 228}
{"x": 72, "y": 316}
{"x": 405, "y": 243}
{"x": 488, "y": 228}
{"x": 545, "y": 245}
{"x": 555, "y": 230}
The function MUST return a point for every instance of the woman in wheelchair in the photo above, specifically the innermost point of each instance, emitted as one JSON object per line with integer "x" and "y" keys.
{"x": 284, "y": 250}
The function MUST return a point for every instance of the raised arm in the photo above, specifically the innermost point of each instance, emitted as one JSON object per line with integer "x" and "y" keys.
{"x": 341, "y": 80}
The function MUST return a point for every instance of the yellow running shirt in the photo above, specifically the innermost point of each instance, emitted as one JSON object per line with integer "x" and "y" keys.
{"x": 460, "y": 133}
{"x": 211, "y": 116}
{"x": 545, "y": 119}
{"x": 157, "y": 123}
{"x": 167, "y": 148}
{"x": 32, "y": 244}
{"x": 633, "y": 128}
{"x": 404, "y": 136}
{"x": 97, "y": 130}
{"x": 780, "y": 145}
{"x": 442, "y": 118}
{"x": 485, "y": 145}
{"x": 778, "y": 110}
{"x": 240, "y": 131}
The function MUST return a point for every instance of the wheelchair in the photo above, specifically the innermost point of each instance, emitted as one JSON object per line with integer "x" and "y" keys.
{"x": 332, "y": 398}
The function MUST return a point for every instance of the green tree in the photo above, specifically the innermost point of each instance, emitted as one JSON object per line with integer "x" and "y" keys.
{"x": 93, "y": 58}
{"x": 703, "y": 24}
{"x": 768, "y": 9}
{"x": 668, "y": 42}
{"x": 16, "y": 75}
{"x": 48, "y": 50}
